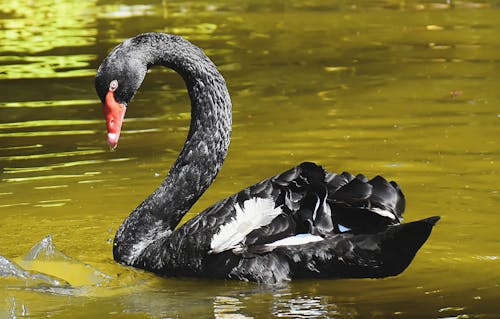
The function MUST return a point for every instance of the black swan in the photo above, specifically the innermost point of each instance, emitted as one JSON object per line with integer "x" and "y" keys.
{"x": 303, "y": 223}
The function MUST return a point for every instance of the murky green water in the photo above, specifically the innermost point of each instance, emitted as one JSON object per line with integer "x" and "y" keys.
{"x": 400, "y": 88}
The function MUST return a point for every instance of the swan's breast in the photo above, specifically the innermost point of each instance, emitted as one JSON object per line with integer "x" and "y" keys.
{"x": 155, "y": 233}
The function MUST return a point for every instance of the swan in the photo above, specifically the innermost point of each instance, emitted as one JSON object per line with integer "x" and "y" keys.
{"x": 303, "y": 223}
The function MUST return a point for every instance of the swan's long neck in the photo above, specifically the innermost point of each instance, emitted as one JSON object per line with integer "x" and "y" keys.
{"x": 202, "y": 154}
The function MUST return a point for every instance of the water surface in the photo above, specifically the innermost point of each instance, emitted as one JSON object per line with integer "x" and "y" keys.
{"x": 408, "y": 90}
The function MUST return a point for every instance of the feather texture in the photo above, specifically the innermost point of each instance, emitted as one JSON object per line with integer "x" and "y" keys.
{"x": 250, "y": 215}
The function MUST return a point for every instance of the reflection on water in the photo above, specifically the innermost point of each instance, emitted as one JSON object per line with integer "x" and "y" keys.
{"x": 302, "y": 307}
{"x": 403, "y": 89}
{"x": 47, "y": 33}
{"x": 228, "y": 307}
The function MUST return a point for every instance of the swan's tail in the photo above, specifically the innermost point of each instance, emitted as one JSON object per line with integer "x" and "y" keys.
{"x": 383, "y": 254}
{"x": 399, "y": 244}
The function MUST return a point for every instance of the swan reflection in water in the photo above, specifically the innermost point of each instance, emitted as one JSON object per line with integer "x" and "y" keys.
{"x": 283, "y": 304}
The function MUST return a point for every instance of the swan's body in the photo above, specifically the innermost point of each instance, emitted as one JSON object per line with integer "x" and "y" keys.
{"x": 305, "y": 222}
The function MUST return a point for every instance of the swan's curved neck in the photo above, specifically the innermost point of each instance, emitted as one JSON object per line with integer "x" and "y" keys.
{"x": 202, "y": 154}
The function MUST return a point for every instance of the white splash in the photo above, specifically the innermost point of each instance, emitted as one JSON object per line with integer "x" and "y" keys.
{"x": 299, "y": 239}
{"x": 256, "y": 212}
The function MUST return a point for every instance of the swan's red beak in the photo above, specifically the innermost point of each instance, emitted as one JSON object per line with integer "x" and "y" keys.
{"x": 114, "y": 113}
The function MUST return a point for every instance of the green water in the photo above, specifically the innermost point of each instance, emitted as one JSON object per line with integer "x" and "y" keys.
{"x": 405, "y": 89}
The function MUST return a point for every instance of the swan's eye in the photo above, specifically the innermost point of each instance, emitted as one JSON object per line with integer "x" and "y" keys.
{"x": 113, "y": 85}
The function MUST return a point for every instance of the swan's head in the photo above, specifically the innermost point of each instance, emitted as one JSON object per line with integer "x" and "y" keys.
{"x": 117, "y": 80}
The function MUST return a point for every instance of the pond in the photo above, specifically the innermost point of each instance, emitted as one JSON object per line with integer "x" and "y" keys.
{"x": 404, "y": 89}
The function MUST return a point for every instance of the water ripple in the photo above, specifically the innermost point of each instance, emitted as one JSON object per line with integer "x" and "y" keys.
{"x": 41, "y": 123}
{"x": 48, "y": 133}
{"x": 51, "y": 155}
{"x": 17, "y": 170}
{"x": 46, "y": 103}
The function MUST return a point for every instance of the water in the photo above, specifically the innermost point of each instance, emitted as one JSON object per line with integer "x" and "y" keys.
{"x": 405, "y": 89}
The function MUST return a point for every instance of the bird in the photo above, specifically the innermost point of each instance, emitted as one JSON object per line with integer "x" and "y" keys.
{"x": 306, "y": 222}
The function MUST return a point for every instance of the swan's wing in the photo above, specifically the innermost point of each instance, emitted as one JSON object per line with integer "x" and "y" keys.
{"x": 364, "y": 206}
{"x": 321, "y": 203}
{"x": 273, "y": 209}
{"x": 301, "y": 205}
{"x": 301, "y": 193}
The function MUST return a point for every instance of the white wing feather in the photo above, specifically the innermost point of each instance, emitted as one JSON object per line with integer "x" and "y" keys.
{"x": 255, "y": 213}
